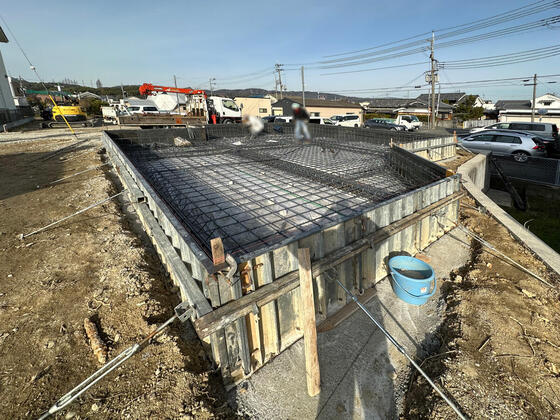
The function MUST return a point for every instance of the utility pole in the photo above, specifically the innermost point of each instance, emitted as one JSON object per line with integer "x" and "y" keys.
{"x": 302, "y": 87}
{"x": 534, "y": 98}
{"x": 433, "y": 81}
{"x": 122, "y": 90}
{"x": 212, "y": 80}
{"x": 176, "y": 93}
{"x": 279, "y": 70}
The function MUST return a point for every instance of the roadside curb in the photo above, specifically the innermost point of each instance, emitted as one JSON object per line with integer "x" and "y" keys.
{"x": 473, "y": 168}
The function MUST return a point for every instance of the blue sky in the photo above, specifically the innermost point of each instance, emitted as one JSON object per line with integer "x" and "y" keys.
{"x": 147, "y": 41}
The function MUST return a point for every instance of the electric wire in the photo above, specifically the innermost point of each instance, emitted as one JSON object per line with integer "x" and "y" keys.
{"x": 514, "y": 14}
{"x": 489, "y": 61}
{"x": 490, "y": 35}
{"x": 523, "y": 27}
{"x": 34, "y": 69}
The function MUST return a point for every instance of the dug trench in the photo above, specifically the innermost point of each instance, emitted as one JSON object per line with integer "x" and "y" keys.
{"x": 97, "y": 266}
{"x": 500, "y": 352}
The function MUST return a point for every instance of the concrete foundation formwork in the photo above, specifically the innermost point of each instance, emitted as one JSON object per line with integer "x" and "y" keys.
{"x": 349, "y": 197}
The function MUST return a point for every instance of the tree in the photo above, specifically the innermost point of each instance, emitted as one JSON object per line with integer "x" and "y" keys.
{"x": 467, "y": 111}
{"x": 98, "y": 84}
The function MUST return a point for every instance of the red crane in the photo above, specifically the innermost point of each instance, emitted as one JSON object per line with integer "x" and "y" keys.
{"x": 148, "y": 88}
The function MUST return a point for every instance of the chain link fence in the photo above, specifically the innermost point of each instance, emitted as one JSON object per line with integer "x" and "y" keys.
{"x": 540, "y": 170}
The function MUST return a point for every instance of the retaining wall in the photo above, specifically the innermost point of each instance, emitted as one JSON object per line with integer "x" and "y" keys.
{"x": 477, "y": 167}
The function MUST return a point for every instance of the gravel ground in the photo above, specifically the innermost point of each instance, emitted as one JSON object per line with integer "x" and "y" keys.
{"x": 95, "y": 266}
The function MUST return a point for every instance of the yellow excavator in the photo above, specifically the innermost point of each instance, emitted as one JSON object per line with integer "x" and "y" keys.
{"x": 71, "y": 113}
{"x": 53, "y": 117}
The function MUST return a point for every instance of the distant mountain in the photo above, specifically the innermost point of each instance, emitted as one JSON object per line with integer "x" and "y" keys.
{"x": 232, "y": 93}
{"x": 132, "y": 90}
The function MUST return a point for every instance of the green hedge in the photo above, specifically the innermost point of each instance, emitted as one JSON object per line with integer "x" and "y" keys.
{"x": 377, "y": 115}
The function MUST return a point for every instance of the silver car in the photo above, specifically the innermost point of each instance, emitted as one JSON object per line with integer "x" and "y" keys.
{"x": 546, "y": 131}
{"x": 521, "y": 145}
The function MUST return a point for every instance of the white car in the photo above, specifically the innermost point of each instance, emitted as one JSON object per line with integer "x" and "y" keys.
{"x": 283, "y": 119}
{"x": 321, "y": 120}
{"x": 348, "y": 120}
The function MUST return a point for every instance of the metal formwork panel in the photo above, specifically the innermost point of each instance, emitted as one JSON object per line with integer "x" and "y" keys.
{"x": 247, "y": 343}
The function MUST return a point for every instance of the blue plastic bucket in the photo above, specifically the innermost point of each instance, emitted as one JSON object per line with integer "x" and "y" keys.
{"x": 412, "y": 279}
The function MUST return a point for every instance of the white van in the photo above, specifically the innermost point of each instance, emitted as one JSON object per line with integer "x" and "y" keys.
{"x": 320, "y": 120}
{"x": 348, "y": 120}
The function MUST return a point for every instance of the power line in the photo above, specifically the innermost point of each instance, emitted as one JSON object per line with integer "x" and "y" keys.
{"x": 247, "y": 75}
{"x": 523, "y": 11}
{"x": 495, "y": 34}
{"x": 500, "y": 60}
{"x": 376, "y": 68}
{"x": 489, "y": 61}
{"x": 511, "y": 81}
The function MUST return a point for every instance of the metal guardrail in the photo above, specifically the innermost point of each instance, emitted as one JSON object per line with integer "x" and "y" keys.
{"x": 538, "y": 170}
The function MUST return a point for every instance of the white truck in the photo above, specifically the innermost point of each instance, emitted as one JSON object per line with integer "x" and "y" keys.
{"x": 225, "y": 110}
{"x": 411, "y": 122}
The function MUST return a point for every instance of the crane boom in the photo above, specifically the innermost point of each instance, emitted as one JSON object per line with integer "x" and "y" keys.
{"x": 148, "y": 88}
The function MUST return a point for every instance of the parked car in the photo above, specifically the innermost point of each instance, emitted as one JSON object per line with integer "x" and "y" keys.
{"x": 282, "y": 119}
{"x": 383, "y": 124}
{"x": 411, "y": 122}
{"x": 519, "y": 144}
{"x": 546, "y": 131}
{"x": 269, "y": 118}
{"x": 348, "y": 120}
{"x": 321, "y": 120}
{"x": 543, "y": 130}
{"x": 336, "y": 118}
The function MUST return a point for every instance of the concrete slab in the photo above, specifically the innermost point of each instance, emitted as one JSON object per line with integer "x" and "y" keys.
{"x": 362, "y": 374}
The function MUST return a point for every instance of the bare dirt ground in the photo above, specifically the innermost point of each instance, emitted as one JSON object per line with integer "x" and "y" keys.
{"x": 500, "y": 352}
{"x": 91, "y": 266}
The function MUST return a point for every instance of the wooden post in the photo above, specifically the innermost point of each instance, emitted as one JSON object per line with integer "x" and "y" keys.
{"x": 218, "y": 254}
{"x": 313, "y": 373}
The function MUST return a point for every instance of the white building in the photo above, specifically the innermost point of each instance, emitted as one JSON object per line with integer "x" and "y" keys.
{"x": 547, "y": 109}
{"x": 6, "y": 97}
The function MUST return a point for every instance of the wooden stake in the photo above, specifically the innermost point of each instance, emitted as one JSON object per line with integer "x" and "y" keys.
{"x": 313, "y": 373}
{"x": 218, "y": 254}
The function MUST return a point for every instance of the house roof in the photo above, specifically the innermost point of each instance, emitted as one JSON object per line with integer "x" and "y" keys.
{"x": 407, "y": 103}
{"x": 388, "y": 102}
{"x": 3, "y": 37}
{"x": 513, "y": 104}
{"x": 450, "y": 96}
{"x": 319, "y": 103}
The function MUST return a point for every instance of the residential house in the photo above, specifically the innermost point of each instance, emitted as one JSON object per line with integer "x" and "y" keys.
{"x": 386, "y": 105}
{"x": 258, "y": 106}
{"x": 451, "y": 98}
{"x": 547, "y": 109}
{"x": 408, "y": 106}
{"x": 317, "y": 107}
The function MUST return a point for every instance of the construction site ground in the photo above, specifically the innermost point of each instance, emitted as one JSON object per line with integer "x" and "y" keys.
{"x": 494, "y": 348}
{"x": 98, "y": 266}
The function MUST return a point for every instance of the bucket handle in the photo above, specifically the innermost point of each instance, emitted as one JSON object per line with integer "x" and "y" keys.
{"x": 416, "y": 296}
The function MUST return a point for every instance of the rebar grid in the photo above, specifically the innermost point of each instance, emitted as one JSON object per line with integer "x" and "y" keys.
{"x": 258, "y": 194}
